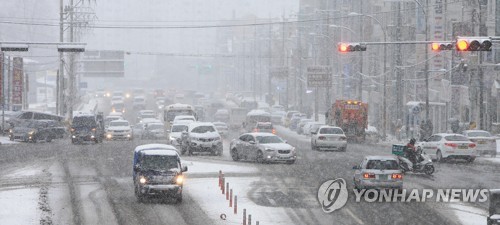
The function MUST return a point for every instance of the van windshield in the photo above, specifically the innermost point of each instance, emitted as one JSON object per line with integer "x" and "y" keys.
{"x": 159, "y": 162}
{"x": 84, "y": 121}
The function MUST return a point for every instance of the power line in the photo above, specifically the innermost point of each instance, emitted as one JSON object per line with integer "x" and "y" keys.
{"x": 288, "y": 21}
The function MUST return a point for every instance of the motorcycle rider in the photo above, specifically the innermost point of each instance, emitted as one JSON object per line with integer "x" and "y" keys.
{"x": 411, "y": 151}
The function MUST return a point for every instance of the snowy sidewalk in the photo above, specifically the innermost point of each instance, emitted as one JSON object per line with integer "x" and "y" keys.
{"x": 4, "y": 140}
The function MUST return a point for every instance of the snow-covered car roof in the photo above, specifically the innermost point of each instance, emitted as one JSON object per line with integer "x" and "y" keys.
{"x": 115, "y": 114}
{"x": 146, "y": 111}
{"x": 470, "y": 131}
{"x": 151, "y": 120}
{"x": 118, "y": 121}
{"x": 197, "y": 124}
{"x": 380, "y": 157}
{"x": 219, "y": 124}
{"x": 261, "y": 134}
{"x": 114, "y": 117}
{"x": 258, "y": 112}
{"x": 155, "y": 147}
{"x": 182, "y": 122}
{"x": 161, "y": 124}
{"x": 446, "y": 134}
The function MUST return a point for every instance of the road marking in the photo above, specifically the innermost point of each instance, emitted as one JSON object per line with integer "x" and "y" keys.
{"x": 354, "y": 216}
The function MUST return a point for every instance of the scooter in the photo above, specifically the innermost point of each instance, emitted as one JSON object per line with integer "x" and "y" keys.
{"x": 424, "y": 163}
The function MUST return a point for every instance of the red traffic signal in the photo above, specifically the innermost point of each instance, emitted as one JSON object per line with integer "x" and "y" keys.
{"x": 473, "y": 44}
{"x": 350, "y": 47}
{"x": 439, "y": 46}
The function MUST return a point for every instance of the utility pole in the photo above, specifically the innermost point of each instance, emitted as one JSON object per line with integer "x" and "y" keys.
{"x": 426, "y": 70}
{"x": 60, "y": 74}
{"x": 269, "y": 77}
{"x": 399, "y": 78}
{"x": 360, "y": 94}
{"x": 254, "y": 53}
{"x": 72, "y": 92}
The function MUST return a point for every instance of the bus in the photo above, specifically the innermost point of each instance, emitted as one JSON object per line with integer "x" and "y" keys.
{"x": 171, "y": 111}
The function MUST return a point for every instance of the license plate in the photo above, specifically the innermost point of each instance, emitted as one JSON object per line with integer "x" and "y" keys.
{"x": 463, "y": 147}
{"x": 207, "y": 145}
{"x": 383, "y": 177}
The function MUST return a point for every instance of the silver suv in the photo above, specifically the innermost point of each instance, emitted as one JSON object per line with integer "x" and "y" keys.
{"x": 201, "y": 137}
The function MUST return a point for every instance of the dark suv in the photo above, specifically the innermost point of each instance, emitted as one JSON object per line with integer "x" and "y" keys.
{"x": 157, "y": 171}
{"x": 87, "y": 128}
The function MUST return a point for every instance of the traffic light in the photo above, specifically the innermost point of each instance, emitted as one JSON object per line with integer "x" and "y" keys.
{"x": 439, "y": 46}
{"x": 350, "y": 47}
{"x": 473, "y": 44}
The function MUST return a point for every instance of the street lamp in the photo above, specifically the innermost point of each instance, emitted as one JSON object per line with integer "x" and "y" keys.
{"x": 384, "y": 127}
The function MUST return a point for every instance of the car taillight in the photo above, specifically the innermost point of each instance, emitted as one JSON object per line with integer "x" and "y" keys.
{"x": 255, "y": 130}
{"x": 93, "y": 129}
{"x": 321, "y": 138}
{"x": 72, "y": 129}
{"x": 274, "y": 131}
{"x": 397, "y": 176}
{"x": 472, "y": 145}
{"x": 368, "y": 175}
{"x": 453, "y": 145}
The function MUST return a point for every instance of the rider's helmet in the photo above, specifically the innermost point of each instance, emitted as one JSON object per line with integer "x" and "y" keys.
{"x": 412, "y": 141}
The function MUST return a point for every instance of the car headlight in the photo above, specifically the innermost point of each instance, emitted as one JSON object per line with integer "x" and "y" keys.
{"x": 293, "y": 149}
{"x": 109, "y": 136}
{"x": 143, "y": 180}
{"x": 10, "y": 130}
{"x": 172, "y": 138}
{"x": 269, "y": 150}
{"x": 179, "y": 179}
{"x": 31, "y": 132}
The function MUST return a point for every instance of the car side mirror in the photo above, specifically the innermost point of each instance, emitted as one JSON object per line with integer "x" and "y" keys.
{"x": 137, "y": 168}
{"x": 356, "y": 167}
{"x": 252, "y": 142}
{"x": 184, "y": 168}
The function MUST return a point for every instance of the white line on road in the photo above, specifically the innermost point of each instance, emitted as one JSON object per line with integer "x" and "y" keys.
{"x": 354, "y": 216}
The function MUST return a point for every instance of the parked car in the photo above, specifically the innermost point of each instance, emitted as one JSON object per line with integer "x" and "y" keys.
{"x": 448, "y": 146}
{"x": 262, "y": 147}
{"x": 485, "y": 142}
{"x": 32, "y": 131}
{"x": 328, "y": 137}
{"x": 154, "y": 131}
{"x": 119, "y": 130}
{"x": 157, "y": 172}
{"x": 201, "y": 137}
{"x": 378, "y": 172}
{"x": 264, "y": 127}
{"x": 87, "y": 128}
{"x": 221, "y": 128}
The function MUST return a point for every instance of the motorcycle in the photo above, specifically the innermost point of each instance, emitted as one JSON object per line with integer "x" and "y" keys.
{"x": 424, "y": 163}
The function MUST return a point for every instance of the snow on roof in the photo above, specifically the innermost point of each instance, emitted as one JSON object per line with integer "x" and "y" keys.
{"x": 168, "y": 152}
{"x": 261, "y": 134}
{"x": 154, "y": 147}
{"x": 494, "y": 191}
{"x": 258, "y": 112}
{"x": 380, "y": 157}
{"x": 119, "y": 120}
